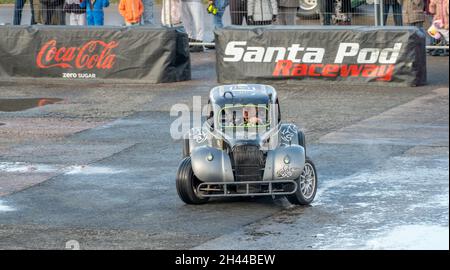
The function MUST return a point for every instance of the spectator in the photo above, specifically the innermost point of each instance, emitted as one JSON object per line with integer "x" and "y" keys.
{"x": 238, "y": 11}
{"x": 53, "y": 12}
{"x": 18, "y": 8}
{"x": 440, "y": 21}
{"x": 221, "y": 6}
{"x": 37, "y": 12}
{"x": 170, "y": 12}
{"x": 94, "y": 11}
{"x": 439, "y": 8}
{"x": 192, "y": 16}
{"x": 262, "y": 12}
{"x": 396, "y": 11}
{"x": 326, "y": 8}
{"x": 148, "y": 12}
{"x": 413, "y": 13}
{"x": 287, "y": 10}
{"x": 77, "y": 14}
{"x": 131, "y": 11}
{"x": 429, "y": 20}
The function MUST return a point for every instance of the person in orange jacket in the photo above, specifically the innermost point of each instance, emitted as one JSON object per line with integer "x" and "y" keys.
{"x": 131, "y": 11}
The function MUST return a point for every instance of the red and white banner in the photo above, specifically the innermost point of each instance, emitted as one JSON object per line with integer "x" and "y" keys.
{"x": 344, "y": 54}
{"x": 147, "y": 54}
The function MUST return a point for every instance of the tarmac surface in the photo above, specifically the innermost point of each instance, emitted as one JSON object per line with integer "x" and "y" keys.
{"x": 98, "y": 166}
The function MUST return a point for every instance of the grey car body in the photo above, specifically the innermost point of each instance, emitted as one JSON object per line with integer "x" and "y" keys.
{"x": 243, "y": 148}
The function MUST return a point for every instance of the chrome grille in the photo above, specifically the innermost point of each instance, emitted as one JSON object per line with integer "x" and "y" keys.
{"x": 248, "y": 162}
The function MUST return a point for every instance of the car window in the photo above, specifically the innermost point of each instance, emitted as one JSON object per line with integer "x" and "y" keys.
{"x": 244, "y": 116}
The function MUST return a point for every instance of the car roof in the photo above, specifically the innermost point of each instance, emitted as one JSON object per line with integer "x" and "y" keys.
{"x": 242, "y": 94}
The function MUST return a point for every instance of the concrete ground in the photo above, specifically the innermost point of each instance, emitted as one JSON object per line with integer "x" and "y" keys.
{"x": 98, "y": 167}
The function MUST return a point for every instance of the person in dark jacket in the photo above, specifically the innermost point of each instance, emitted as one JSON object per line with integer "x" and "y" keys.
{"x": 18, "y": 8}
{"x": 238, "y": 11}
{"x": 396, "y": 11}
{"x": 287, "y": 11}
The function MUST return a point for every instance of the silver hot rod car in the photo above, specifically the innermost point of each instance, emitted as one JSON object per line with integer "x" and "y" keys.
{"x": 243, "y": 149}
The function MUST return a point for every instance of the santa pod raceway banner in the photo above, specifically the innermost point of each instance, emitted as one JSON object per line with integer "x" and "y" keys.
{"x": 143, "y": 54}
{"x": 350, "y": 54}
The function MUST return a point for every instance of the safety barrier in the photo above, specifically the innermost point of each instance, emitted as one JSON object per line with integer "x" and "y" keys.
{"x": 376, "y": 55}
{"x": 144, "y": 54}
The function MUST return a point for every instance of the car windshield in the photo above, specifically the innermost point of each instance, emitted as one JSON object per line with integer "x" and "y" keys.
{"x": 244, "y": 116}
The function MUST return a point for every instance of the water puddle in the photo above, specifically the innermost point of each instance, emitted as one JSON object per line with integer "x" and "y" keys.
{"x": 5, "y": 208}
{"x": 22, "y": 104}
{"x": 22, "y": 167}
{"x": 89, "y": 170}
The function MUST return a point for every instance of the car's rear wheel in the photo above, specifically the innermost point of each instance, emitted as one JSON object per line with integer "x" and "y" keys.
{"x": 307, "y": 185}
{"x": 187, "y": 184}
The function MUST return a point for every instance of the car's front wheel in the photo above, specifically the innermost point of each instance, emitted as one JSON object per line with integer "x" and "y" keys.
{"x": 187, "y": 183}
{"x": 186, "y": 150}
{"x": 307, "y": 185}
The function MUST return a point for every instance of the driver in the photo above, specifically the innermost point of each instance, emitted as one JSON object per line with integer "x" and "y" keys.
{"x": 250, "y": 116}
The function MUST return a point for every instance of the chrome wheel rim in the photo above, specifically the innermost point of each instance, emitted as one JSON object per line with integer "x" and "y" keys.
{"x": 308, "y": 4}
{"x": 308, "y": 181}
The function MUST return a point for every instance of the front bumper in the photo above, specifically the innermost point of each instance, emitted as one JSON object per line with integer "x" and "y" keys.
{"x": 247, "y": 188}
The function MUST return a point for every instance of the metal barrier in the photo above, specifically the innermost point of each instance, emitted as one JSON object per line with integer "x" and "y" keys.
{"x": 226, "y": 12}
{"x": 324, "y": 12}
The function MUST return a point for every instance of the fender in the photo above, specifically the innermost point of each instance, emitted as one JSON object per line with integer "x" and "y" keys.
{"x": 215, "y": 169}
{"x": 284, "y": 163}
{"x": 288, "y": 135}
{"x": 197, "y": 137}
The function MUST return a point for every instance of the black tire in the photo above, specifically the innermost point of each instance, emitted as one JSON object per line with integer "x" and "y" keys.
{"x": 186, "y": 149}
{"x": 301, "y": 139}
{"x": 298, "y": 197}
{"x": 308, "y": 10}
{"x": 187, "y": 183}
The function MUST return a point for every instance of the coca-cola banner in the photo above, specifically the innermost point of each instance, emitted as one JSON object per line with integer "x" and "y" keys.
{"x": 350, "y": 54}
{"x": 147, "y": 54}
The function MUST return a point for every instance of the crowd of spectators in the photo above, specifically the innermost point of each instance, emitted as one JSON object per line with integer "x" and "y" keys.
{"x": 190, "y": 13}
{"x": 82, "y": 12}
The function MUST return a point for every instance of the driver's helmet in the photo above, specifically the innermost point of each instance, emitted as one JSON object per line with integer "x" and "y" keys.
{"x": 243, "y": 116}
{"x": 250, "y": 116}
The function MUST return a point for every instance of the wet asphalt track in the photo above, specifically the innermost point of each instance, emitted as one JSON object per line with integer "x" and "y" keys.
{"x": 123, "y": 195}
